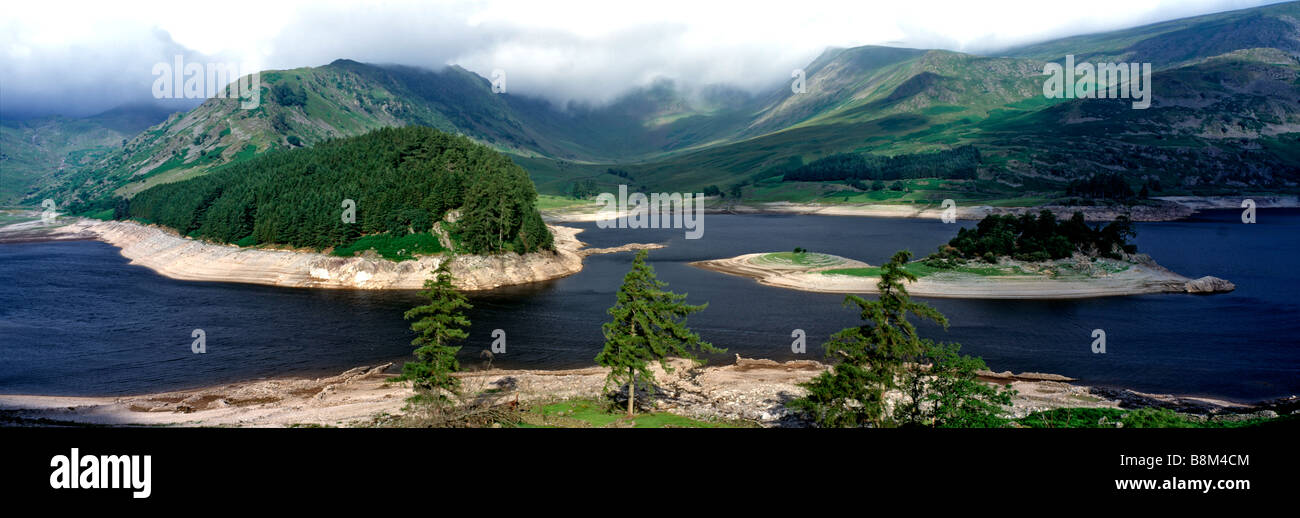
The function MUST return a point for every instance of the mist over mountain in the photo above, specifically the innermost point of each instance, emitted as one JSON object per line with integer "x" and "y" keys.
{"x": 84, "y": 60}
{"x": 1223, "y": 114}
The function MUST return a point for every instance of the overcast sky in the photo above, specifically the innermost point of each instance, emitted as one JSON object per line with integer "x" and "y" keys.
{"x": 77, "y": 58}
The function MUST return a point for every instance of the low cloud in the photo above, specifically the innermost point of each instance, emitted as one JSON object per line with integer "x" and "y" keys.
{"x": 85, "y": 57}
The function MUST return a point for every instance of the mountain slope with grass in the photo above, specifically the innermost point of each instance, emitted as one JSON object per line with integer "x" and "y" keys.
{"x": 306, "y": 106}
{"x": 1224, "y": 118}
{"x": 35, "y": 151}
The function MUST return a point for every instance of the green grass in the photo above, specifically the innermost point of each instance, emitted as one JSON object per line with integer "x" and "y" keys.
{"x": 244, "y": 154}
{"x": 395, "y": 248}
{"x": 920, "y": 269}
{"x": 103, "y": 215}
{"x": 8, "y": 217}
{"x": 593, "y": 413}
{"x": 919, "y": 192}
{"x": 807, "y": 259}
{"x": 551, "y": 202}
{"x": 1141, "y": 418}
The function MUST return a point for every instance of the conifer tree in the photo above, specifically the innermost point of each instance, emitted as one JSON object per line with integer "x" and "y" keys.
{"x": 955, "y": 397}
{"x": 649, "y": 324}
{"x": 939, "y": 386}
{"x": 438, "y": 324}
{"x": 871, "y": 355}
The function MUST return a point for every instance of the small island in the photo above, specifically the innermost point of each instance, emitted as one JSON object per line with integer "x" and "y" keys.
{"x": 1003, "y": 257}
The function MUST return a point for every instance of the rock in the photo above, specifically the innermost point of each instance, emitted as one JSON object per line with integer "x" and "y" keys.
{"x": 1024, "y": 376}
{"x": 168, "y": 254}
{"x": 1209, "y": 284}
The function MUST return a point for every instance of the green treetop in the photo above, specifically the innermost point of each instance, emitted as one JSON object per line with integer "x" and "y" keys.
{"x": 885, "y": 353}
{"x": 437, "y": 324}
{"x": 649, "y": 324}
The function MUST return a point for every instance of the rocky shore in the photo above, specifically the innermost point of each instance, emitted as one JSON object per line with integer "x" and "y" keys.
{"x": 164, "y": 251}
{"x": 749, "y": 390}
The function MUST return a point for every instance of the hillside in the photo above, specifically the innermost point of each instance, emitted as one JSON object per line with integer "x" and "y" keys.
{"x": 33, "y": 151}
{"x": 416, "y": 188}
{"x": 306, "y": 106}
{"x": 1224, "y": 117}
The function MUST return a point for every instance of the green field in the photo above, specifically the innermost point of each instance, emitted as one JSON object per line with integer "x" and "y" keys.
{"x": 590, "y": 413}
{"x": 552, "y": 202}
{"x": 394, "y": 248}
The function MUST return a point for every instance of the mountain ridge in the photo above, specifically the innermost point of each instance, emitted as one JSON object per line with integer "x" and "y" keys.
{"x": 871, "y": 99}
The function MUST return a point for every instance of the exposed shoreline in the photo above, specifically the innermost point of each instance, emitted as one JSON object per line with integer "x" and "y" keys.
{"x": 1170, "y": 208}
{"x": 171, "y": 255}
{"x": 1137, "y": 279}
{"x": 752, "y": 390}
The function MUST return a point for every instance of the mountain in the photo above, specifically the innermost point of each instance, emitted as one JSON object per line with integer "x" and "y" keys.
{"x": 33, "y": 150}
{"x": 1179, "y": 42}
{"x": 1224, "y": 117}
{"x": 306, "y": 106}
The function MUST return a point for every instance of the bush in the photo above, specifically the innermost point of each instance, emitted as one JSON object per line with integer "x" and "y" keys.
{"x": 286, "y": 95}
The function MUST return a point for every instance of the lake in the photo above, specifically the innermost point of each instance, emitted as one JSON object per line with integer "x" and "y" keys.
{"x": 76, "y": 319}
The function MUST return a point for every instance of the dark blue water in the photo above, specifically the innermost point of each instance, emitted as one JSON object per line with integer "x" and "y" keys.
{"x": 75, "y": 318}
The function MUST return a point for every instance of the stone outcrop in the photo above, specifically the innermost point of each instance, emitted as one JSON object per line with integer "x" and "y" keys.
{"x": 1209, "y": 284}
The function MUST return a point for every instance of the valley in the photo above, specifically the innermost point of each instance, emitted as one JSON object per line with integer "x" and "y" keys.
{"x": 1233, "y": 134}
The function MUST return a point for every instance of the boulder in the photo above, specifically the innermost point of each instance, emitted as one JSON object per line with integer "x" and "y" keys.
{"x": 1209, "y": 284}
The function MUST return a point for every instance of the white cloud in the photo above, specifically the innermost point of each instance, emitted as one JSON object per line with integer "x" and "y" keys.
{"x": 581, "y": 49}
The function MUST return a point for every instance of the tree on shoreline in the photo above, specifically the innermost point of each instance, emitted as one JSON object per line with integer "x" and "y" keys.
{"x": 954, "y": 396}
{"x": 439, "y": 323}
{"x": 885, "y": 353}
{"x": 649, "y": 324}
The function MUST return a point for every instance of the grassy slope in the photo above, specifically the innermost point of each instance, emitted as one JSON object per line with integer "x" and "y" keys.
{"x": 35, "y": 149}
{"x": 1224, "y": 114}
{"x": 1221, "y": 118}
